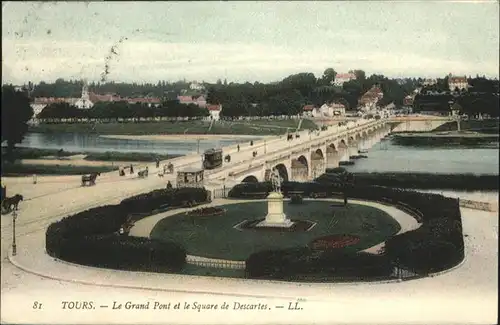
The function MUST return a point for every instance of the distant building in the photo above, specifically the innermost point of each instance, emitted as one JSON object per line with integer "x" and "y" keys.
{"x": 369, "y": 100}
{"x": 342, "y": 78}
{"x": 309, "y": 111}
{"x": 429, "y": 82}
{"x": 214, "y": 111}
{"x": 326, "y": 110}
{"x": 457, "y": 82}
{"x": 96, "y": 98}
{"x": 185, "y": 100}
{"x": 408, "y": 100}
{"x": 196, "y": 86}
{"x": 201, "y": 101}
{"x": 150, "y": 102}
{"x": 84, "y": 102}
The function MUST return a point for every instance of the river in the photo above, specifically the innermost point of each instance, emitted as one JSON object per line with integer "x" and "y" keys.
{"x": 382, "y": 157}
{"x": 388, "y": 157}
{"x": 94, "y": 143}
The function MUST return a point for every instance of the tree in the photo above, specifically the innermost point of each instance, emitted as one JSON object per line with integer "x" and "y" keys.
{"x": 16, "y": 112}
{"x": 360, "y": 75}
{"x": 328, "y": 77}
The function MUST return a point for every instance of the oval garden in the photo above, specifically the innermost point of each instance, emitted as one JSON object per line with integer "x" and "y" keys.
{"x": 328, "y": 247}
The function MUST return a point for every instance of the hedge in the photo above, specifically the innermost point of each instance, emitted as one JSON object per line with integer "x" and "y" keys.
{"x": 130, "y": 253}
{"x": 246, "y": 190}
{"x": 436, "y": 245}
{"x": 91, "y": 237}
{"x": 148, "y": 202}
{"x": 315, "y": 265}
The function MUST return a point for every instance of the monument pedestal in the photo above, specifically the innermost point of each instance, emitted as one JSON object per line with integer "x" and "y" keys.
{"x": 275, "y": 216}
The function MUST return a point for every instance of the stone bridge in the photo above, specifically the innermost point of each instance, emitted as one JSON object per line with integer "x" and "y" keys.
{"x": 305, "y": 157}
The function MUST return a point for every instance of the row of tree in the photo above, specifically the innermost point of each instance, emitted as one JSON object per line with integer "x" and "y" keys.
{"x": 170, "y": 108}
{"x": 73, "y": 88}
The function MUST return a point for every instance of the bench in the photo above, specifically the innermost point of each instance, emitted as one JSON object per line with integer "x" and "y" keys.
{"x": 410, "y": 210}
{"x": 292, "y": 193}
{"x": 318, "y": 195}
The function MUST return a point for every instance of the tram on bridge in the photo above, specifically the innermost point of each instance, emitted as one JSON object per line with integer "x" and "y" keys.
{"x": 212, "y": 158}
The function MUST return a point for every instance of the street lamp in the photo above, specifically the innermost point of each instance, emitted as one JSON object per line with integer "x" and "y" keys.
{"x": 14, "y": 248}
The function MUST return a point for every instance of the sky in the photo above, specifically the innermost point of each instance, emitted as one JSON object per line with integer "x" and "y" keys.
{"x": 245, "y": 41}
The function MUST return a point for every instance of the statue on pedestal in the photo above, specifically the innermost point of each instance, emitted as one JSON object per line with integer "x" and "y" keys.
{"x": 276, "y": 180}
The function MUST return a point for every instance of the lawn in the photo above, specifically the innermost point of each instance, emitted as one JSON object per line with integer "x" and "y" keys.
{"x": 260, "y": 127}
{"x": 215, "y": 237}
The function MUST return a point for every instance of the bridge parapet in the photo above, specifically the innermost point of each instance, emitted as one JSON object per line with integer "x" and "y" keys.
{"x": 303, "y": 146}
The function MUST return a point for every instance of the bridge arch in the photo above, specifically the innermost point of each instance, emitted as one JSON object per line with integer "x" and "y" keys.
{"x": 332, "y": 156}
{"x": 317, "y": 163}
{"x": 343, "y": 150}
{"x": 283, "y": 172}
{"x": 300, "y": 169}
{"x": 250, "y": 179}
{"x": 353, "y": 146}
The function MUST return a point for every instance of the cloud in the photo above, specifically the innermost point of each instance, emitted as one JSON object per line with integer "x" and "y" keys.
{"x": 152, "y": 61}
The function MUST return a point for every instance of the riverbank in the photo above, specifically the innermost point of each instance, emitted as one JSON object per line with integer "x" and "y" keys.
{"x": 28, "y": 161}
{"x": 22, "y": 153}
{"x": 170, "y": 137}
{"x": 254, "y": 127}
{"x": 445, "y": 138}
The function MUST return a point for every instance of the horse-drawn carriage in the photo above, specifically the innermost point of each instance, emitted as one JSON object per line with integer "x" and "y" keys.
{"x": 167, "y": 169}
{"x": 89, "y": 180}
{"x": 143, "y": 173}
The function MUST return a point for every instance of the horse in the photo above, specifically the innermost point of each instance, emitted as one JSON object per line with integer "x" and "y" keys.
{"x": 90, "y": 179}
{"x": 143, "y": 173}
{"x": 8, "y": 202}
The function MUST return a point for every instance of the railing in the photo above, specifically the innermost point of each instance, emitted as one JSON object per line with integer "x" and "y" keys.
{"x": 222, "y": 192}
{"x": 215, "y": 263}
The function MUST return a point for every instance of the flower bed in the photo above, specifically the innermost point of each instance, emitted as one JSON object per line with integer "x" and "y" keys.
{"x": 334, "y": 241}
{"x": 206, "y": 212}
{"x": 298, "y": 226}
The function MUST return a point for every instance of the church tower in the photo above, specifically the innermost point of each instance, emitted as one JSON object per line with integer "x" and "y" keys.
{"x": 85, "y": 91}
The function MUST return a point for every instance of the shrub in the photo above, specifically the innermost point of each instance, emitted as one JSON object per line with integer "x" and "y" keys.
{"x": 130, "y": 253}
{"x": 304, "y": 263}
{"x": 241, "y": 190}
{"x": 296, "y": 199}
{"x": 336, "y": 170}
